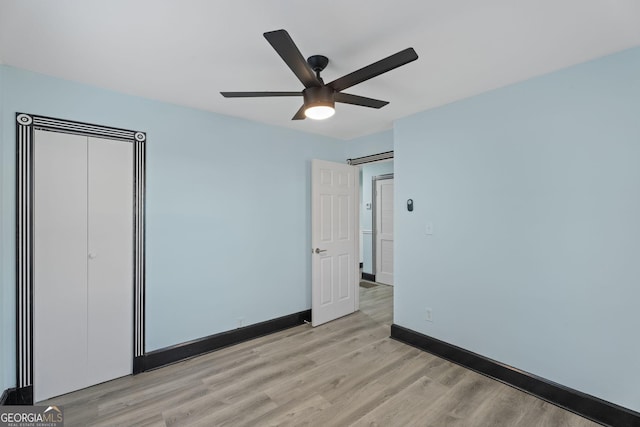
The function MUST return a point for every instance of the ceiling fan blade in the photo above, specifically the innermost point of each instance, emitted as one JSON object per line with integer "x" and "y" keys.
{"x": 257, "y": 94}
{"x": 375, "y": 69}
{"x": 346, "y": 98}
{"x": 300, "y": 114}
{"x": 289, "y": 52}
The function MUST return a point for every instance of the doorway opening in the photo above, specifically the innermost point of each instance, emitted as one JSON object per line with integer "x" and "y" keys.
{"x": 376, "y": 221}
{"x": 379, "y": 166}
{"x": 375, "y": 170}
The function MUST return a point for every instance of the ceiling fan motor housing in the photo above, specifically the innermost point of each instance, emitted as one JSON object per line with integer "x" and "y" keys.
{"x": 318, "y": 96}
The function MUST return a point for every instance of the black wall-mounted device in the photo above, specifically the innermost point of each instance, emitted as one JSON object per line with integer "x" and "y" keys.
{"x": 410, "y": 205}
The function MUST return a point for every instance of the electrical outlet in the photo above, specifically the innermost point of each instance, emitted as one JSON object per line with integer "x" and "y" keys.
{"x": 429, "y": 229}
{"x": 428, "y": 315}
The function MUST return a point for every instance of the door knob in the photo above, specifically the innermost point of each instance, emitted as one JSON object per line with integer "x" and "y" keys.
{"x": 92, "y": 255}
{"x": 318, "y": 250}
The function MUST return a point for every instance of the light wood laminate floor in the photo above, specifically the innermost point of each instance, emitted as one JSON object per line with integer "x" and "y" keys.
{"x": 347, "y": 372}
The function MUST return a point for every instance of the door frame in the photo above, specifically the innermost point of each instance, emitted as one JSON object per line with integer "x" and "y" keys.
{"x": 25, "y": 126}
{"x": 374, "y": 218}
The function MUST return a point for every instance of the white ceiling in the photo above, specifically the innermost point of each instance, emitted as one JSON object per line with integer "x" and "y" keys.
{"x": 186, "y": 51}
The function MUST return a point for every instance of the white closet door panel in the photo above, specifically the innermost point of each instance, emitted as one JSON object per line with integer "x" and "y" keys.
{"x": 60, "y": 263}
{"x": 110, "y": 284}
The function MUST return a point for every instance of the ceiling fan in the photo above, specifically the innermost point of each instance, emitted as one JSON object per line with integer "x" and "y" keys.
{"x": 320, "y": 97}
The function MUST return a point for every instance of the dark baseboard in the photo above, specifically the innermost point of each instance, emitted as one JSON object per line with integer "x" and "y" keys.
{"x": 588, "y": 406}
{"x": 178, "y": 352}
{"x": 13, "y": 396}
{"x": 369, "y": 277}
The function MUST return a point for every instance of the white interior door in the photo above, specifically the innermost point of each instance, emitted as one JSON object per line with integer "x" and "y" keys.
{"x": 83, "y": 242}
{"x": 384, "y": 231}
{"x": 334, "y": 237}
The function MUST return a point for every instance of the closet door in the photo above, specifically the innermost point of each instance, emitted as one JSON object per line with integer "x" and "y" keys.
{"x": 59, "y": 263}
{"x": 83, "y": 262}
{"x": 110, "y": 272}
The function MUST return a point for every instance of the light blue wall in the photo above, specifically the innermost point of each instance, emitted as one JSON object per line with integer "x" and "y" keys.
{"x": 367, "y": 172}
{"x": 534, "y": 195}
{"x": 228, "y": 209}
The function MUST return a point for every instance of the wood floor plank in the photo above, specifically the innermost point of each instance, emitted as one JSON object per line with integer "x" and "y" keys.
{"x": 255, "y": 405}
{"x": 307, "y": 407}
{"x": 538, "y": 413}
{"x": 257, "y": 380}
{"x": 193, "y": 410}
{"x": 350, "y": 407}
{"x": 462, "y": 398}
{"x": 401, "y": 409}
{"x": 327, "y": 353}
{"x": 503, "y": 410}
{"x": 138, "y": 411}
{"x": 363, "y": 374}
{"x": 329, "y": 375}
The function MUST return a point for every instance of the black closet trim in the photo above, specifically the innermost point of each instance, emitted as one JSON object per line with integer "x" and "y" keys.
{"x": 25, "y": 126}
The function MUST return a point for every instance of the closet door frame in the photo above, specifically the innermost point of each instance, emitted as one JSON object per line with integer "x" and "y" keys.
{"x": 25, "y": 126}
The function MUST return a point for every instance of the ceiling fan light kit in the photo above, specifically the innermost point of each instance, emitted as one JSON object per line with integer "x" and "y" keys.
{"x": 320, "y": 98}
{"x": 319, "y": 112}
